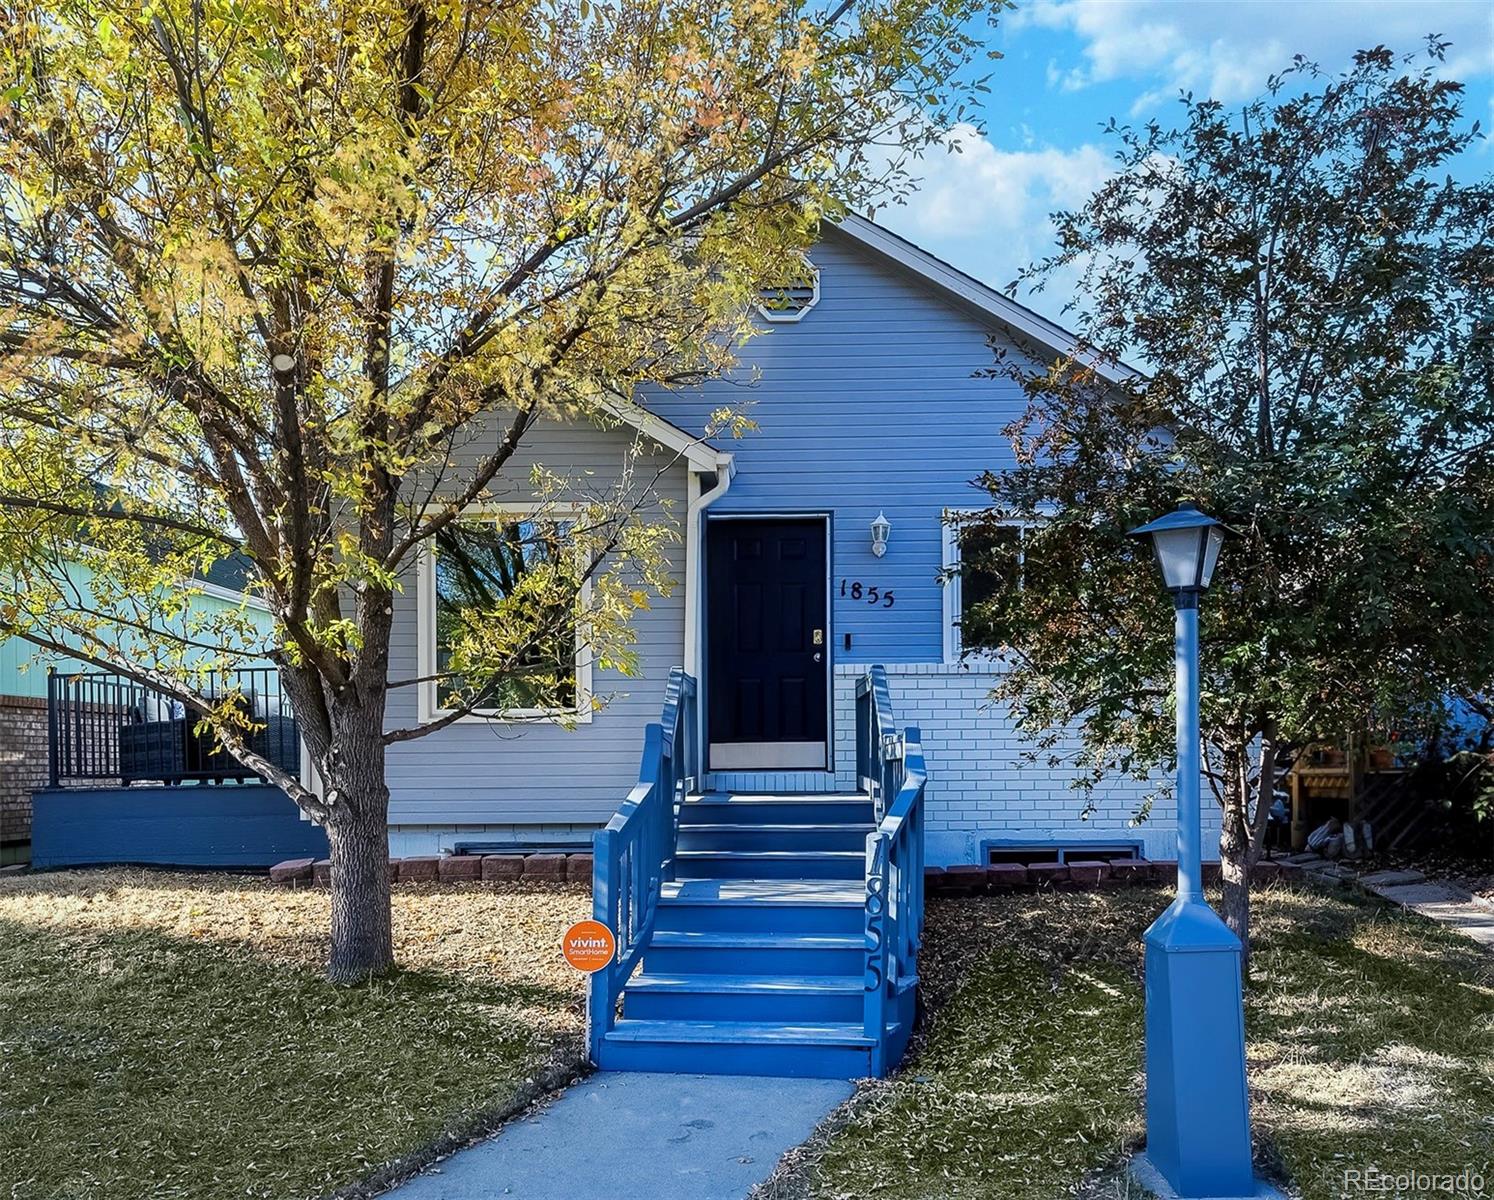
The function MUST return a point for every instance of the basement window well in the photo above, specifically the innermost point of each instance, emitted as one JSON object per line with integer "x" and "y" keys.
{"x": 996, "y": 853}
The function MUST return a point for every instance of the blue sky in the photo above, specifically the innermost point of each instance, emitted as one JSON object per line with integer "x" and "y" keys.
{"x": 1069, "y": 65}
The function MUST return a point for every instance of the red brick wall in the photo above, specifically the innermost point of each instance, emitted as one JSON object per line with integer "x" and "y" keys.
{"x": 23, "y": 763}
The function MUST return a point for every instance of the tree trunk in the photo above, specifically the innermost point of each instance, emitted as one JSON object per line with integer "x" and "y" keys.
{"x": 1235, "y": 861}
{"x": 362, "y": 940}
{"x": 358, "y": 830}
{"x": 1247, "y": 804}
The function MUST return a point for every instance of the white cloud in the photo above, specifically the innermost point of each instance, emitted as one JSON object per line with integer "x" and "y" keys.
{"x": 987, "y": 209}
{"x": 1227, "y": 48}
{"x": 971, "y": 188}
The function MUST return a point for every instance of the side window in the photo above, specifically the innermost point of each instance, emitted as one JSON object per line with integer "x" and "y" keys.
{"x": 990, "y": 558}
{"x": 985, "y": 563}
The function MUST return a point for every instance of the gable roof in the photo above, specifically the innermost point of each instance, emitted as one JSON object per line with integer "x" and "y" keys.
{"x": 969, "y": 293}
{"x": 964, "y": 291}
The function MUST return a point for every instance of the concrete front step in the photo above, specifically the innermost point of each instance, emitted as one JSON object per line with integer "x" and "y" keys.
{"x": 782, "y": 999}
{"x": 770, "y": 864}
{"x": 809, "y": 1050}
{"x": 812, "y": 837}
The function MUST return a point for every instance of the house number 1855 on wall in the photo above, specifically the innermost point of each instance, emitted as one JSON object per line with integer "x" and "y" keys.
{"x": 866, "y": 593}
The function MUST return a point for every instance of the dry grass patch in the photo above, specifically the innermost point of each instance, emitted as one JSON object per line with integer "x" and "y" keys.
{"x": 1026, "y": 1079}
{"x": 1371, "y": 1045}
{"x": 171, "y": 1035}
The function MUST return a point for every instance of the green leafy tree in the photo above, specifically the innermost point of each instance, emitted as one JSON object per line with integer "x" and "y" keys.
{"x": 300, "y": 278}
{"x": 1313, "y": 298}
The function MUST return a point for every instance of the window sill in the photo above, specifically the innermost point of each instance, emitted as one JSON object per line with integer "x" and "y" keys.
{"x": 532, "y": 716}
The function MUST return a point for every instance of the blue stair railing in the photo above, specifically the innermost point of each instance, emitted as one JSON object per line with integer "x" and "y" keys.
{"x": 890, "y": 767}
{"x": 634, "y": 854}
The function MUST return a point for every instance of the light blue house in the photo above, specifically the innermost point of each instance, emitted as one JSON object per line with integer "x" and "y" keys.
{"x": 811, "y": 613}
{"x": 867, "y": 404}
{"x": 27, "y": 674}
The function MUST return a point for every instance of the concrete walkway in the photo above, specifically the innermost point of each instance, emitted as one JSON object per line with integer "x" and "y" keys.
{"x": 1443, "y": 902}
{"x": 654, "y": 1137}
{"x": 1435, "y": 898}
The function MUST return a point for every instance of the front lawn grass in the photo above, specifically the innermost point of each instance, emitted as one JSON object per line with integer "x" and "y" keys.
{"x": 1371, "y": 1045}
{"x": 172, "y": 1036}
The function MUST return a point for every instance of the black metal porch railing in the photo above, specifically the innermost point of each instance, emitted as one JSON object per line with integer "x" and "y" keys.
{"x": 104, "y": 728}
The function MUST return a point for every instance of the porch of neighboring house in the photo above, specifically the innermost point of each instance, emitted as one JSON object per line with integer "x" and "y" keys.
{"x": 131, "y": 778}
{"x": 1362, "y": 785}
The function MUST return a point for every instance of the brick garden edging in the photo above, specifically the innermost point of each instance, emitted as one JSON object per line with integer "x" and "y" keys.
{"x": 1078, "y": 876}
{"x": 963, "y": 880}
{"x": 450, "y": 868}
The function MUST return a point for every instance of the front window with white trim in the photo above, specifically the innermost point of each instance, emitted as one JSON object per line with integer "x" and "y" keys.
{"x": 499, "y": 600}
{"x": 984, "y": 558}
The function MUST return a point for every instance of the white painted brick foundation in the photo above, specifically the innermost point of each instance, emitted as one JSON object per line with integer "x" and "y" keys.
{"x": 981, "y": 789}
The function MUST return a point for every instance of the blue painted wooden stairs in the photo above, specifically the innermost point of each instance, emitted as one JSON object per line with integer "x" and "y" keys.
{"x": 761, "y": 934}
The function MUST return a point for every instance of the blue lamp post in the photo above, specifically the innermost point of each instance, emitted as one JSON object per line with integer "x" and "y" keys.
{"x": 1197, "y": 1108}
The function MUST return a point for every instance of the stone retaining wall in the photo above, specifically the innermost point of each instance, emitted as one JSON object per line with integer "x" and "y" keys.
{"x": 452, "y": 868}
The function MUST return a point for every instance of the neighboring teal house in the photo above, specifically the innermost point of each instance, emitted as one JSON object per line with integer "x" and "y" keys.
{"x": 24, "y": 724}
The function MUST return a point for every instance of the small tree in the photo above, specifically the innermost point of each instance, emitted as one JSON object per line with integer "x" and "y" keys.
{"x": 301, "y": 278}
{"x": 1312, "y": 300}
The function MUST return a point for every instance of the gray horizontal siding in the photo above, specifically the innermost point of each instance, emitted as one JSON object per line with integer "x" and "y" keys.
{"x": 528, "y": 773}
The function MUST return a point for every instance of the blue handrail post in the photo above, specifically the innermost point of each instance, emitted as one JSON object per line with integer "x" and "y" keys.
{"x": 633, "y": 857}
{"x": 874, "y": 999}
{"x": 600, "y": 997}
{"x": 890, "y": 765}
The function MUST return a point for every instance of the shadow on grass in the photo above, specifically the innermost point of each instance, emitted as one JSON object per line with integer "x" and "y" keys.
{"x": 1372, "y": 1042}
{"x": 137, "y": 1064}
{"x": 1371, "y": 1031}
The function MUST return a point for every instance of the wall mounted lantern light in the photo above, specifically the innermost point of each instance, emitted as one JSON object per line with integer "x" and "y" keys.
{"x": 881, "y": 530}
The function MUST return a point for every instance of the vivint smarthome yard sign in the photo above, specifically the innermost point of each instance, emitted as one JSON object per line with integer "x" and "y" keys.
{"x": 589, "y": 946}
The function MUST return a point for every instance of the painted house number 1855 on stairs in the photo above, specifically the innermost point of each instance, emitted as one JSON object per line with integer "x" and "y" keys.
{"x": 866, "y": 593}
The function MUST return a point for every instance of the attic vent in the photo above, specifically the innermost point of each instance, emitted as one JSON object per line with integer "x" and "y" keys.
{"x": 791, "y": 299}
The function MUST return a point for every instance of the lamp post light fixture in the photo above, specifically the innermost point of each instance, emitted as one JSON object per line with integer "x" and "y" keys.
{"x": 881, "y": 530}
{"x": 1197, "y": 1106}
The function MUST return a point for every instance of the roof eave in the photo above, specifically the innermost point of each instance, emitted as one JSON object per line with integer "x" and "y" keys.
{"x": 698, "y": 453}
{"x": 974, "y": 296}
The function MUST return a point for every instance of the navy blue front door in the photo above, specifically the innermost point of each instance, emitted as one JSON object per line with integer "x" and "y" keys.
{"x": 767, "y": 643}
